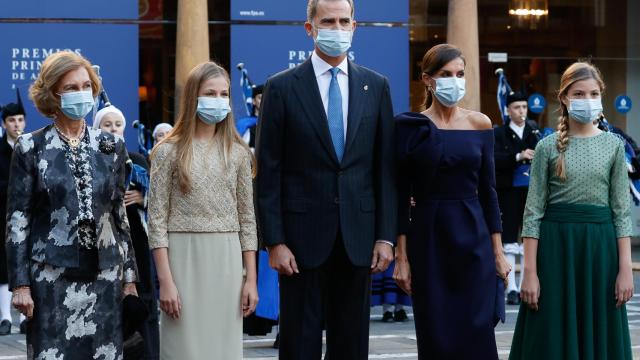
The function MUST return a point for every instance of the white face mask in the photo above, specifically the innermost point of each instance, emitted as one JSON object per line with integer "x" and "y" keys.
{"x": 212, "y": 110}
{"x": 585, "y": 110}
{"x": 450, "y": 90}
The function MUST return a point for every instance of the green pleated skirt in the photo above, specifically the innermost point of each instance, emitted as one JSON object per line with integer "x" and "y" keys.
{"x": 577, "y": 268}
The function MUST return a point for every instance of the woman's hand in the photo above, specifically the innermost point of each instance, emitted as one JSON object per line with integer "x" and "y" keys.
{"x": 249, "y": 298}
{"x": 130, "y": 289}
{"x": 133, "y": 197}
{"x": 502, "y": 267}
{"x": 530, "y": 290}
{"x": 624, "y": 286}
{"x": 22, "y": 301}
{"x": 402, "y": 274}
{"x": 170, "y": 299}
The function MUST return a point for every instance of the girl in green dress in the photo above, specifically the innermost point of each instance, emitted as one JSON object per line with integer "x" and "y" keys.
{"x": 576, "y": 230}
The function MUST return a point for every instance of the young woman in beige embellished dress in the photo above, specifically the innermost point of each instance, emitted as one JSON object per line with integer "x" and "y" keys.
{"x": 202, "y": 226}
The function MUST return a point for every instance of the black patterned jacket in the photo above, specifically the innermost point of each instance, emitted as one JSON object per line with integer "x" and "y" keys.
{"x": 42, "y": 205}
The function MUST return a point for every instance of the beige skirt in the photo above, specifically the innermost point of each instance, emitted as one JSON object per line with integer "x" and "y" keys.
{"x": 207, "y": 270}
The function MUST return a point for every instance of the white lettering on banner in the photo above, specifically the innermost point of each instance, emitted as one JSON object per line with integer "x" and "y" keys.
{"x": 26, "y": 62}
{"x": 297, "y": 57}
{"x": 252, "y": 13}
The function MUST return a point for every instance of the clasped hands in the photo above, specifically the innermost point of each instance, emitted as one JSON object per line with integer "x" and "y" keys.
{"x": 282, "y": 260}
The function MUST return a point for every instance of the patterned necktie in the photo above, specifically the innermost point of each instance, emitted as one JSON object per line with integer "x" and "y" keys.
{"x": 334, "y": 115}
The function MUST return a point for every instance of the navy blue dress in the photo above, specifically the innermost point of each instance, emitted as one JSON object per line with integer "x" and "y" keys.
{"x": 451, "y": 175}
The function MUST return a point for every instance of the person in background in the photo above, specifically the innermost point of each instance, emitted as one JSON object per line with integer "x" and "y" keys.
{"x": 112, "y": 120}
{"x": 577, "y": 226}
{"x": 514, "y": 147}
{"x": 160, "y": 131}
{"x": 247, "y": 126}
{"x": 385, "y": 292}
{"x": 71, "y": 261}
{"x": 13, "y": 122}
{"x": 202, "y": 227}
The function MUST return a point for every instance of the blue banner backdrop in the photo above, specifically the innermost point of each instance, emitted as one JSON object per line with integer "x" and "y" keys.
{"x": 268, "y": 49}
{"x": 69, "y": 9}
{"x": 114, "y": 47}
{"x": 295, "y": 10}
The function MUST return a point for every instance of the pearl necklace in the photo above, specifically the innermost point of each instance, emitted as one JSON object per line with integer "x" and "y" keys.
{"x": 73, "y": 142}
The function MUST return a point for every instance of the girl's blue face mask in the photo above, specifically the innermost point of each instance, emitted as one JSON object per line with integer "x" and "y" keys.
{"x": 585, "y": 110}
{"x": 212, "y": 110}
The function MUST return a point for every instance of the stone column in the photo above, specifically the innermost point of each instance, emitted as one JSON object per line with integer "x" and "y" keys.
{"x": 462, "y": 31}
{"x": 192, "y": 41}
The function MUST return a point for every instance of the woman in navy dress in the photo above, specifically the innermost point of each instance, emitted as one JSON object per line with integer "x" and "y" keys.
{"x": 449, "y": 246}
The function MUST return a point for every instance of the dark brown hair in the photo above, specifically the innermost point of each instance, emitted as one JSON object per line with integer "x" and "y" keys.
{"x": 437, "y": 57}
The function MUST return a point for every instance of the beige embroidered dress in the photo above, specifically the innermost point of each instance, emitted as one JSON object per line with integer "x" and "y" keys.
{"x": 205, "y": 232}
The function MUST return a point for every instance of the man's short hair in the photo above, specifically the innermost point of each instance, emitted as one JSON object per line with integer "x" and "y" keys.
{"x": 312, "y": 8}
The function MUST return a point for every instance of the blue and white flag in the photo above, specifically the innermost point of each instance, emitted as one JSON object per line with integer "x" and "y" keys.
{"x": 247, "y": 89}
{"x": 503, "y": 91}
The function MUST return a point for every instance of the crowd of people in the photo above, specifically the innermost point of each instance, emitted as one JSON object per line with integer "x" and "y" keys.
{"x": 355, "y": 206}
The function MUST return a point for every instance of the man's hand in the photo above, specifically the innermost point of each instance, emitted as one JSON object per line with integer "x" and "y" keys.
{"x": 133, "y": 197}
{"x": 382, "y": 257}
{"x": 527, "y": 154}
{"x": 281, "y": 259}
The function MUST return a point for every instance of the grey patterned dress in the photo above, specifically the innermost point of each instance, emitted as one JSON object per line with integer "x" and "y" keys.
{"x": 68, "y": 239}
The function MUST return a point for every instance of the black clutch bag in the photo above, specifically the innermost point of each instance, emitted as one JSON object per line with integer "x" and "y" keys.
{"x": 134, "y": 314}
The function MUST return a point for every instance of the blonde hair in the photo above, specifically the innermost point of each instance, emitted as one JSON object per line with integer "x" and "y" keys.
{"x": 185, "y": 127}
{"x": 578, "y": 71}
{"x": 54, "y": 68}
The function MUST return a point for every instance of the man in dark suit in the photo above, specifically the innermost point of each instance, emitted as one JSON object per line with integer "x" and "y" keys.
{"x": 514, "y": 150}
{"x": 13, "y": 123}
{"x": 326, "y": 189}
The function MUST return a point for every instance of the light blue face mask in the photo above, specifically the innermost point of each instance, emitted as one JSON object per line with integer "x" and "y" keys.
{"x": 76, "y": 105}
{"x": 585, "y": 110}
{"x": 212, "y": 110}
{"x": 450, "y": 90}
{"x": 334, "y": 42}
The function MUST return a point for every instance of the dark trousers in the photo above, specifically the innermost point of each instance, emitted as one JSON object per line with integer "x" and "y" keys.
{"x": 335, "y": 295}
{"x": 512, "y": 202}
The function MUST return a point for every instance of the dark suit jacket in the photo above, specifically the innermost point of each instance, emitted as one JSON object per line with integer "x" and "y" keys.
{"x": 507, "y": 145}
{"x": 42, "y": 209}
{"x": 305, "y": 195}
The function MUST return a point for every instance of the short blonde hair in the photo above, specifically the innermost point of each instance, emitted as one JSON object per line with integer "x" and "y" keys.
{"x": 54, "y": 68}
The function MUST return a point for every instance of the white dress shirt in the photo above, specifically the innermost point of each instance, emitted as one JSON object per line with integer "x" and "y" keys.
{"x": 519, "y": 130}
{"x": 323, "y": 75}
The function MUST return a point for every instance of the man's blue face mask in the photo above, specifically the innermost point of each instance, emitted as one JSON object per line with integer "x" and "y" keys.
{"x": 334, "y": 42}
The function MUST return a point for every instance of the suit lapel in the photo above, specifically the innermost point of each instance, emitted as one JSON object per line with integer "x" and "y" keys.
{"x": 306, "y": 88}
{"x": 357, "y": 92}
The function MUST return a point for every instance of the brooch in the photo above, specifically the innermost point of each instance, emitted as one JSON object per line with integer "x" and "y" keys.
{"x": 107, "y": 146}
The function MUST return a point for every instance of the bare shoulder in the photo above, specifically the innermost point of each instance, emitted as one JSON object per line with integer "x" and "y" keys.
{"x": 478, "y": 120}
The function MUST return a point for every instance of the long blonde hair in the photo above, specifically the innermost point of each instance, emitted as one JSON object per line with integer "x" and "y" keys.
{"x": 578, "y": 71}
{"x": 185, "y": 127}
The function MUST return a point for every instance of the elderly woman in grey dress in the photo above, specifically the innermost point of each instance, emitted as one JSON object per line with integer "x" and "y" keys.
{"x": 69, "y": 251}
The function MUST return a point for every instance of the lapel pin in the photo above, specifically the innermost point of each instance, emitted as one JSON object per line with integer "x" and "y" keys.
{"x": 366, "y": 87}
